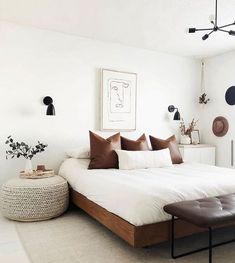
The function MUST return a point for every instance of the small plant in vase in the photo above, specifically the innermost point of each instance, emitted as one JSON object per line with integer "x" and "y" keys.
{"x": 21, "y": 149}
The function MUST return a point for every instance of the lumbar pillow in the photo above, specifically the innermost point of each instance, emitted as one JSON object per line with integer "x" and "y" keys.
{"x": 171, "y": 143}
{"x": 79, "y": 153}
{"x": 140, "y": 144}
{"x": 102, "y": 151}
{"x": 129, "y": 160}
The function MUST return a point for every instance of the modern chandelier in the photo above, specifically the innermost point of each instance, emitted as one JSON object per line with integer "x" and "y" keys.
{"x": 215, "y": 28}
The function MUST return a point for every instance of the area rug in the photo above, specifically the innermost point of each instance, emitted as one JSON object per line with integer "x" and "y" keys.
{"x": 77, "y": 238}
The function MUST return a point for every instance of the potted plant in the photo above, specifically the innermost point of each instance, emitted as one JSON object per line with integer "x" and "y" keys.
{"x": 203, "y": 99}
{"x": 21, "y": 149}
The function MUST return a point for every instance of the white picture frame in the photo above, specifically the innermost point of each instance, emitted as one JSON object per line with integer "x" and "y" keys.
{"x": 195, "y": 137}
{"x": 118, "y": 100}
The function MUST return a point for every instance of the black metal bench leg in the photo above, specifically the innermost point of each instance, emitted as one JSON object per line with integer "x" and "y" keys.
{"x": 210, "y": 245}
{"x": 173, "y": 237}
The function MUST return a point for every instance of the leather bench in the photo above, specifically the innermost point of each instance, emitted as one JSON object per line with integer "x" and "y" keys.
{"x": 208, "y": 213}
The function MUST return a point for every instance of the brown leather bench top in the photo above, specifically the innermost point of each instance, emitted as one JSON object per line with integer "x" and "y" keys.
{"x": 206, "y": 212}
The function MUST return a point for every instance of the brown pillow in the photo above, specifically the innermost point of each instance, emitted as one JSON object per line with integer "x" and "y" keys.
{"x": 140, "y": 144}
{"x": 171, "y": 143}
{"x": 103, "y": 155}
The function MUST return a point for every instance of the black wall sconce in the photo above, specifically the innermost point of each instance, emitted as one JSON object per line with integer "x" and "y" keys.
{"x": 49, "y": 102}
{"x": 172, "y": 108}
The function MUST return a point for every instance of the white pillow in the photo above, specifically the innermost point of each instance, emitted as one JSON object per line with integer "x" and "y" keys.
{"x": 129, "y": 160}
{"x": 79, "y": 153}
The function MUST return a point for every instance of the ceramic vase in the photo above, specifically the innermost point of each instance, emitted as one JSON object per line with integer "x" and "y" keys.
{"x": 185, "y": 139}
{"x": 28, "y": 166}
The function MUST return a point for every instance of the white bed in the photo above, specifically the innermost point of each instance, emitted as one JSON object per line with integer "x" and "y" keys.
{"x": 138, "y": 196}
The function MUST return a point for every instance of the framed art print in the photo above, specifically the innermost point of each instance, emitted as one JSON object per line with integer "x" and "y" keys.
{"x": 118, "y": 97}
{"x": 195, "y": 137}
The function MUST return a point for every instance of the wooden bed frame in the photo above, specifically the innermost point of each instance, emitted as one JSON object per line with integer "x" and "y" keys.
{"x": 136, "y": 236}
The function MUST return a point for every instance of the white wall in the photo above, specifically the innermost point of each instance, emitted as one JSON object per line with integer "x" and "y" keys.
{"x": 219, "y": 76}
{"x": 35, "y": 63}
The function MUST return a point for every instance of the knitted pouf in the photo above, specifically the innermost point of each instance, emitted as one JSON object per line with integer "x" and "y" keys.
{"x": 34, "y": 199}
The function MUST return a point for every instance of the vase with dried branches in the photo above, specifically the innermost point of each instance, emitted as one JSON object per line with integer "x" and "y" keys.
{"x": 186, "y": 131}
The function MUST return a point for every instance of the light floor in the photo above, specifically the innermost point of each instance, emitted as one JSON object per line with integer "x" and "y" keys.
{"x": 11, "y": 249}
{"x": 76, "y": 238}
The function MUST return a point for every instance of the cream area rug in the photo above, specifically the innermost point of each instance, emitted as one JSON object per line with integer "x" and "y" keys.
{"x": 77, "y": 238}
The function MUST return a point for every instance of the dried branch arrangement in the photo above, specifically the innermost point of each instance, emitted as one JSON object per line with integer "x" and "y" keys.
{"x": 187, "y": 130}
{"x": 21, "y": 149}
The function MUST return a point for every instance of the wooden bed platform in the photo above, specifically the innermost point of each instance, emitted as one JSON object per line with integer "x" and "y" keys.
{"x": 136, "y": 236}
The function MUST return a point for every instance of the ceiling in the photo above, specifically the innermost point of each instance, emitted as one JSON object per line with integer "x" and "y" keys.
{"x": 151, "y": 24}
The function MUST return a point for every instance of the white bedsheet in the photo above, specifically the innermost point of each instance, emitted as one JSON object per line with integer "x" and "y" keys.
{"x": 139, "y": 196}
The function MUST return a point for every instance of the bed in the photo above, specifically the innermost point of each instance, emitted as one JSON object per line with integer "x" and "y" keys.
{"x": 130, "y": 202}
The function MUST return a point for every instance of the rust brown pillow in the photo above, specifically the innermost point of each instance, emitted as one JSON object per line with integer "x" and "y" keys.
{"x": 103, "y": 155}
{"x": 140, "y": 144}
{"x": 171, "y": 143}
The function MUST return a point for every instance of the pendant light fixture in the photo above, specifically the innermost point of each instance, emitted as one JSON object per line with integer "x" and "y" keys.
{"x": 215, "y": 27}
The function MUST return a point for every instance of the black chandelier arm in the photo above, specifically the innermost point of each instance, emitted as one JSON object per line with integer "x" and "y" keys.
{"x": 210, "y": 32}
{"x": 204, "y": 29}
{"x": 230, "y": 32}
{"x": 232, "y": 24}
{"x": 207, "y": 35}
{"x": 222, "y": 30}
{"x": 216, "y": 13}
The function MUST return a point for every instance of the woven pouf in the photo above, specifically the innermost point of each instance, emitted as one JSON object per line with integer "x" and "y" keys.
{"x": 34, "y": 199}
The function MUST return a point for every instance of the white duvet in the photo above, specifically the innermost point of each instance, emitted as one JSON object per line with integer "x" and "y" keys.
{"x": 138, "y": 196}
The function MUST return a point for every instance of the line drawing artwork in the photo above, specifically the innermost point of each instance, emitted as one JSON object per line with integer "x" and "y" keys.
{"x": 118, "y": 104}
{"x": 118, "y": 97}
